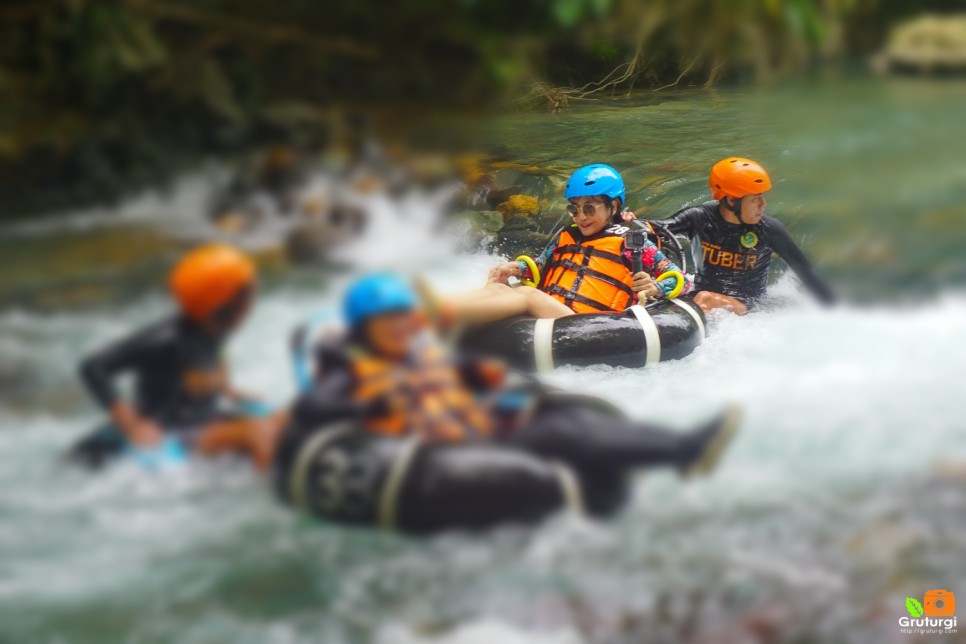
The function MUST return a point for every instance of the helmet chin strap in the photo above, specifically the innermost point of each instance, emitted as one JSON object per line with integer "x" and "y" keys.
{"x": 736, "y": 211}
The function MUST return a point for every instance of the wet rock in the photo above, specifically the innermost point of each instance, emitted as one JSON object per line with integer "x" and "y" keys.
{"x": 84, "y": 267}
{"x": 476, "y": 224}
{"x": 232, "y": 222}
{"x": 764, "y": 626}
{"x": 313, "y": 239}
{"x": 884, "y": 542}
{"x": 520, "y": 204}
{"x": 522, "y": 244}
{"x": 15, "y": 378}
{"x": 924, "y": 46}
{"x": 429, "y": 170}
{"x": 271, "y": 260}
{"x": 511, "y": 188}
{"x": 472, "y": 173}
{"x": 518, "y": 167}
{"x": 482, "y": 191}
{"x": 953, "y": 471}
{"x": 522, "y": 235}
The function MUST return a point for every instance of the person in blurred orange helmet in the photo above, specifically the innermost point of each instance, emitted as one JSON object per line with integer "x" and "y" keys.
{"x": 737, "y": 240}
{"x": 213, "y": 285}
{"x": 180, "y": 376}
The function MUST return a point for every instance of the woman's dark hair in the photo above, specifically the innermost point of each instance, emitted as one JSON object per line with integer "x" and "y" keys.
{"x": 616, "y": 217}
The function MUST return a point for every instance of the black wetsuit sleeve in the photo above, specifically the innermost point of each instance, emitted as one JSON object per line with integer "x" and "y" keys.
{"x": 98, "y": 370}
{"x": 684, "y": 222}
{"x": 786, "y": 248}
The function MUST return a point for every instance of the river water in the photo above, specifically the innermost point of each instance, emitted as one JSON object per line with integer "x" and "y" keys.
{"x": 843, "y": 495}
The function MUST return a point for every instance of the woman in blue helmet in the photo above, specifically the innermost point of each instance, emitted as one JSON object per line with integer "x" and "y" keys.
{"x": 396, "y": 431}
{"x": 588, "y": 268}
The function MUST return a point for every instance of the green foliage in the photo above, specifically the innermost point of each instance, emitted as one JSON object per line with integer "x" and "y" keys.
{"x": 97, "y": 95}
{"x": 568, "y": 12}
{"x": 606, "y": 51}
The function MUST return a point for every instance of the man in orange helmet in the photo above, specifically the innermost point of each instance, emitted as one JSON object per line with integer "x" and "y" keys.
{"x": 180, "y": 376}
{"x": 737, "y": 240}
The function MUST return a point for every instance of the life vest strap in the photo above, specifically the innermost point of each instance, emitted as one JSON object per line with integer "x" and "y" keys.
{"x": 589, "y": 275}
{"x": 431, "y": 399}
{"x": 570, "y": 297}
{"x": 603, "y": 277}
{"x": 577, "y": 249}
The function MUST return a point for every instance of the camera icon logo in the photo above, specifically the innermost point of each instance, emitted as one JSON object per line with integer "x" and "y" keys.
{"x": 939, "y": 603}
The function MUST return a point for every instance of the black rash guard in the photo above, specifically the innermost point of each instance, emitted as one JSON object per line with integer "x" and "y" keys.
{"x": 735, "y": 258}
{"x": 174, "y": 363}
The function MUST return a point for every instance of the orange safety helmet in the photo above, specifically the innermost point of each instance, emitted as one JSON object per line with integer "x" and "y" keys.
{"x": 738, "y": 177}
{"x": 209, "y": 278}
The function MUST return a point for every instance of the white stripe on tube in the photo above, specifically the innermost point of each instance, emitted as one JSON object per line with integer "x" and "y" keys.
{"x": 389, "y": 499}
{"x": 543, "y": 344}
{"x": 651, "y": 337}
{"x": 573, "y": 493}
{"x": 694, "y": 315}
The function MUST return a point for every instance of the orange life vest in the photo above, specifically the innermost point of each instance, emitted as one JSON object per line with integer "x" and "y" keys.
{"x": 589, "y": 276}
{"x": 425, "y": 393}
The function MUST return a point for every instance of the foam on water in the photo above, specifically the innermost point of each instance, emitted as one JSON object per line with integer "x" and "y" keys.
{"x": 839, "y": 404}
{"x": 843, "y": 406}
{"x": 479, "y": 632}
{"x": 170, "y": 208}
{"x": 402, "y": 232}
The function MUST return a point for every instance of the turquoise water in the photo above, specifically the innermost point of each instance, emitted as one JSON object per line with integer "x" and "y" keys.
{"x": 837, "y": 501}
{"x": 870, "y": 174}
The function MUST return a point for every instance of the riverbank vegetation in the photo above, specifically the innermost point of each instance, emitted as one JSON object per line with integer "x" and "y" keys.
{"x": 98, "y": 97}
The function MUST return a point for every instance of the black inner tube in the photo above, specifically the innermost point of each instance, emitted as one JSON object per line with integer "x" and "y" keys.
{"x": 340, "y": 472}
{"x": 614, "y": 339}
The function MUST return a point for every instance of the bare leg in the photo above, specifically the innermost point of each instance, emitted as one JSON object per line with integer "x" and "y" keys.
{"x": 256, "y": 437}
{"x": 491, "y": 303}
{"x": 499, "y": 301}
{"x": 708, "y": 301}
{"x": 492, "y": 289}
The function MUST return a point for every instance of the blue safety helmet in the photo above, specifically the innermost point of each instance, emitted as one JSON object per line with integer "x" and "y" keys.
{"x": 594, "y": 180}
{"x": 377, "y": 294}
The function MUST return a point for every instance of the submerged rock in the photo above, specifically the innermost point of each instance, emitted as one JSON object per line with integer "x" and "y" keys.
{"x": 84, "y": 267}
{"x": 884, "y": 542}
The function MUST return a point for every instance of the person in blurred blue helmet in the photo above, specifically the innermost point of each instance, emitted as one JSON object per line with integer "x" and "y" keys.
{"x": 387, "y": 378}
{"x": 587, "y": 268}
{"x": 389, "y": 369}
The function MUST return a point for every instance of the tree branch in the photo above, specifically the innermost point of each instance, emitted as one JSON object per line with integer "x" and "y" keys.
{"x": 253, "y": 30}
